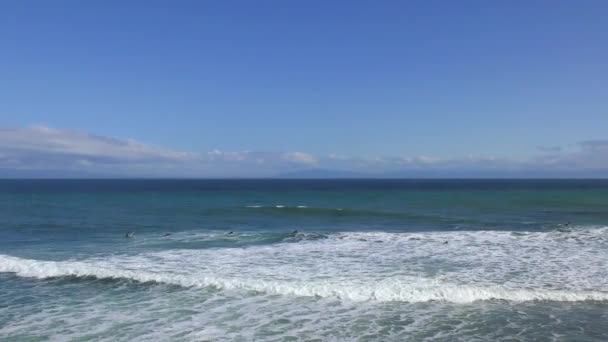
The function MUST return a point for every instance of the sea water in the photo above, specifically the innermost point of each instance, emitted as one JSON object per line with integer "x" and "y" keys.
{"x": 304, "y": 260}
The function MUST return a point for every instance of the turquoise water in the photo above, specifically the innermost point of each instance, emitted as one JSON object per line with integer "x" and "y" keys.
{"x": 291, "y": 260}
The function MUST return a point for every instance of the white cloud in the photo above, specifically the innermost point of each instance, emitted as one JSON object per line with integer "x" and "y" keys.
{"x": 300, "y": 158}
{"x": 590, "y": 155}
{"x": 45, "y": 148}
{"x": 228, "y": 156}
{"x": 46, "y": 142}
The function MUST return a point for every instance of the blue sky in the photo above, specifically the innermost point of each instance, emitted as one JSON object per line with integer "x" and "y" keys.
{"x": 360, "y": 82}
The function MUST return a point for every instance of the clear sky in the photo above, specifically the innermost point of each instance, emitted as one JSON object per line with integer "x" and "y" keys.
{"x": 355, "y": 79}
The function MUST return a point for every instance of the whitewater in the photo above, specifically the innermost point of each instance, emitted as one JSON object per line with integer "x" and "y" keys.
{"x": 459, "y": 267}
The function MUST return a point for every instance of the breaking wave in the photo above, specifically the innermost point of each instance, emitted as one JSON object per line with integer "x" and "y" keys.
{"x": 403, "y": 289}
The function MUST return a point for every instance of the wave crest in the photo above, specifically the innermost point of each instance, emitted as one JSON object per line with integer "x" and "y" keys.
{"x": 402, "y": 289}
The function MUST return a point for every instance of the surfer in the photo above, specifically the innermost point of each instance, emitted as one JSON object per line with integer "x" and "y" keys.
{"x": 129, "y": 235}
{"x": 563, "y": 227}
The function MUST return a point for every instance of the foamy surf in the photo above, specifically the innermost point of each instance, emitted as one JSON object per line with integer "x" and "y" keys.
{"x": 388, "y": 290}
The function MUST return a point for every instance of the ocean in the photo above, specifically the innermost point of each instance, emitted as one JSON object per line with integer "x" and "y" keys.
{"x": 303, "y": 260}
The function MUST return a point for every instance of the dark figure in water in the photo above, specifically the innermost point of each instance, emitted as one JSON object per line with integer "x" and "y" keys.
{"x": 167, "y": 234}
{"x": 445, "y": 242}
{"x": 129, "y": 235}
{"x": 563, "y": 227}
{"x": 230, "y": 233}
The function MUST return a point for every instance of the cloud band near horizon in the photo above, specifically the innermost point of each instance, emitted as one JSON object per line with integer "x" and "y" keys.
{"x": 44, "y": 150}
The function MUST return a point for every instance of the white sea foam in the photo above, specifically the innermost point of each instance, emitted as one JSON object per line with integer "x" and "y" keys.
{"x": 408, "y": 267}
{"x": 372, "y": 286}
{"x": 391, "y": 289}
{"x": 278, "y": 206}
